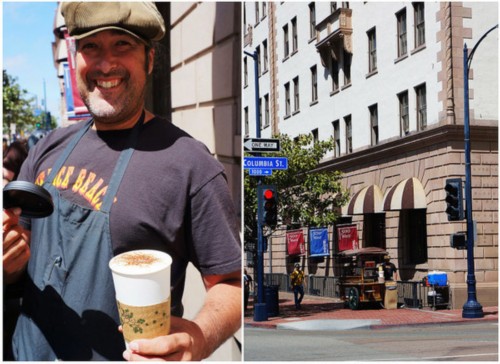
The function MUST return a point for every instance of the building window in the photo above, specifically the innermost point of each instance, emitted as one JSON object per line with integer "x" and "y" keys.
{"x": 404, "y": 115}
{"x": 264, "y": 9}
{"x": 287, "y": 99}
{"x": 315, "y": 135}
{"x": 334, "y": 71}
{"x": 314, "y": 84}
{"x": 348, "y": 134}
{"x": 286, "y": 44}
{"x": 333, "y": 6}
{"x": 414, "y": 236}
{"x": 259, "y": 66}
{"x": 312, "y": 20}
{"x": 266, "y": 110}
{"x": 402, "y": 42}
{"x": 295, "y": 44}
{"x": 260, "y": 113}
{"x": 421, "y": 94}
{"x": 374, "y": 123}
{"x": 296, "y": 100}
{"x": 372, "y": 50}
{"x": 257, "y": 17}
{"x": 247, "y": 126}
{"x": 347, "y": 68}
{"x": 245, "y": 71}
{"x": 265, "y": 55}
{"x": 418, "y": 9}
{"x": 336, "y": 138}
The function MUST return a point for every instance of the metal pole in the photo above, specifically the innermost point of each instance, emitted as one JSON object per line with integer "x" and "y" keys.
{"x": 260, "y": 310}
{"x": 472, "y": 308}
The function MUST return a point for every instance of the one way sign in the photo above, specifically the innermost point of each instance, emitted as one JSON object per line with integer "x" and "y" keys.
{"x": 261, "y": 145}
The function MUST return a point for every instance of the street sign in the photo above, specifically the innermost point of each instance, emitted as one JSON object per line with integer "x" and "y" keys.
{"x": 260, "y": 172}
{"x": 265, "y": 162}
{"x": 261, "y": 145}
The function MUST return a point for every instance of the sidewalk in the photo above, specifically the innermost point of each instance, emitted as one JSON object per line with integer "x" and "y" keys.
{"x": 319, "y": 310}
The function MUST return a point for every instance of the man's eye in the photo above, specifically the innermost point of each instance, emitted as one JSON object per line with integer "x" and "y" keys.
{"x": 123, "y": 43}
{"x": 88, "y": 46}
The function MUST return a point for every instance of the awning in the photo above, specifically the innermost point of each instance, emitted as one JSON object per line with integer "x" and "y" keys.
{"x": 367, "y": 201}
{"x": 407, "y": 194}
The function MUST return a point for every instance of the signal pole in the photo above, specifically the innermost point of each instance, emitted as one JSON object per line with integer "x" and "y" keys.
{"x": 259, "y": 310}
{"x": 472, "y": 308}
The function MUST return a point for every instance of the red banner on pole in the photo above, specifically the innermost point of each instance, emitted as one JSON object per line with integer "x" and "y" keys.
{"x": 77, "y": 110}
{"x": 295, "y": 242}
{"x": 347, "y": 237}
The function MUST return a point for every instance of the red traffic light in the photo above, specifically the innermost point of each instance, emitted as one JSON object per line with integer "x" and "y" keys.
{"x": 268, "y": 194}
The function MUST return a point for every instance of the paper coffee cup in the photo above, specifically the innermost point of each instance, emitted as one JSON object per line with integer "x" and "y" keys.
{"x": 142, "y": 285}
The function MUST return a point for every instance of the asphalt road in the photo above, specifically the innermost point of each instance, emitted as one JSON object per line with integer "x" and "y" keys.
{"x": 450, "y": 342}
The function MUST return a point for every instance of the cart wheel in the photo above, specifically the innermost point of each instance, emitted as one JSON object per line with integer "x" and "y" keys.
{"x": 353, "y": 298}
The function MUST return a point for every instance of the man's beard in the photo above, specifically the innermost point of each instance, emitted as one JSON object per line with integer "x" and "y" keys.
{"x": 117, "y": 109}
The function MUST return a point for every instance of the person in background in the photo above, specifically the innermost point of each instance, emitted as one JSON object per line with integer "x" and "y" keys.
{"x": 390, "y": 271}
{"x": 297, "y": 283}
{"x": 124, "y": 180}
{"x": 248, "y": 281}
{"x": 13, "y": 157}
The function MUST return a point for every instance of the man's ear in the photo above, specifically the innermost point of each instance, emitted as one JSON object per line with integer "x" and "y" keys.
{"x": 151, "y": 59}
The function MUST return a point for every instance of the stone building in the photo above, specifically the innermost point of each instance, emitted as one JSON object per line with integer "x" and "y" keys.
{"x": 385, "y": 80}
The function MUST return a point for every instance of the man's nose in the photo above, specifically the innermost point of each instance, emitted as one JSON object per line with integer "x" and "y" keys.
{"x": 107, "y": 61}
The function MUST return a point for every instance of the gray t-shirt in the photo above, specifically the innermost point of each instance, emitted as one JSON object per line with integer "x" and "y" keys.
{"x": 173, "y": 197}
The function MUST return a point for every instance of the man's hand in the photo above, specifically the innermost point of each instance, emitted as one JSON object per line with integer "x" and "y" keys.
{"x": 184, "y": 343}
{"x": 16, "y": 249}
{"x": 219, "y": 318}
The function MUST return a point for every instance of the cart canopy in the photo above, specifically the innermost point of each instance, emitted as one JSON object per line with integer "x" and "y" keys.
{"x": 363, "y": 251}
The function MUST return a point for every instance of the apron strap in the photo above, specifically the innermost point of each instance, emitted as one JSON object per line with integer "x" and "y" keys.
{"x": 67, "y": 151}
{"x": 121, "y": 166}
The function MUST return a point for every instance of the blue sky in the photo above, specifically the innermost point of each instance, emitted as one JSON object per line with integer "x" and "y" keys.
{"x": 27, "y": 49}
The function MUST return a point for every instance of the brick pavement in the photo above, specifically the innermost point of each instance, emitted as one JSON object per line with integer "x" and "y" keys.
{"x": 323, "y": 308}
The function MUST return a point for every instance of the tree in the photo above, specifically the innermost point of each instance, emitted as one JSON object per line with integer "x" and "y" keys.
{"x": 305, "y": 196}
{"x": 17, "y": 106}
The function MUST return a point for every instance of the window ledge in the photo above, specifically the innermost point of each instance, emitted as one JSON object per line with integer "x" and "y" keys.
{"x": 418, "y": 49}
{"x": 294, "y": 52}
{"x": 312, "y": 103}
{"x": 334, "y": 92}
{"x": 372, "y": 73}
{"x": 346, "y": 86}
{"x": 287, "y": 116}
{"x": 402, "y": 58}
{"x": 312, "y": 39}
{"x": 284, "y": 59}
{"x": 295, "y": 112}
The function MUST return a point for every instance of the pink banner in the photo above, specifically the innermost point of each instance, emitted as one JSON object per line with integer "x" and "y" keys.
{"x": 295, "y": 242}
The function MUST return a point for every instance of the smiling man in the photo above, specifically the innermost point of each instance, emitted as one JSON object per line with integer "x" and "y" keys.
{"x": 122, "y": 181}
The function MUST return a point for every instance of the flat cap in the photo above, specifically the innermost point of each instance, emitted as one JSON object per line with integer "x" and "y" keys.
{"x": 140, "y": 19}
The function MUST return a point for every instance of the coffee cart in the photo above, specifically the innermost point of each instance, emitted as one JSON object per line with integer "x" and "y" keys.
{"x": 359, "y": 281}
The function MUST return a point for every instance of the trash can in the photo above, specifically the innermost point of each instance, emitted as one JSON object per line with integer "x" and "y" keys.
{"x": 391, "y": 295}
{"x": 272, "y": 300}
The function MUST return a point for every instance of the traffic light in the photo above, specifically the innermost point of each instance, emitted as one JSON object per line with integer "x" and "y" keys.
{"x": 270, "y": 206}
{"x": 454, "y": 199}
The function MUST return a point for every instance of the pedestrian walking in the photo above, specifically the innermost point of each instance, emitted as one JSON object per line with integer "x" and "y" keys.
{"x": 297, "y": 282}
{"x": 123, "y": 180}
{"x": 248, "y": 282}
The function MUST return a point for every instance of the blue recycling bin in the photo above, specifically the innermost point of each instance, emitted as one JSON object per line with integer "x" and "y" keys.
{"x": 272, "y": 300}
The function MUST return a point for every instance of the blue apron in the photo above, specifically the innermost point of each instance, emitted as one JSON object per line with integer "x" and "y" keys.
{"x": 69, "y": 308}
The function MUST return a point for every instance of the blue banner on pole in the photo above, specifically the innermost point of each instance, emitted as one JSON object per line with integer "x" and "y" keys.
{"x": 318, "y": 242}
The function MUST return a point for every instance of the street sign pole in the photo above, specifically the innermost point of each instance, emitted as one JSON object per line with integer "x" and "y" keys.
{"x": 260, "y": 310}
{"x": 472, "y": 308}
